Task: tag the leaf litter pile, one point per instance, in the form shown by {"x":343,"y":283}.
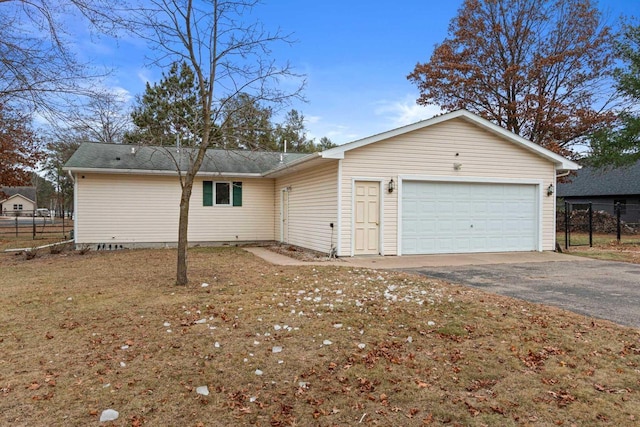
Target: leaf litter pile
{"x":248,"y":343}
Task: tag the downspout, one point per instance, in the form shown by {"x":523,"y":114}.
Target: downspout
{"x":555,"y":210}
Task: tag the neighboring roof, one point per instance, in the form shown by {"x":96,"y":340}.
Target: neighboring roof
{"x":15,"y":196}
{"x":26,"y":192}
{"x":120,"y":158}
{"x":594,"y":182}
{"x":560,"y":162}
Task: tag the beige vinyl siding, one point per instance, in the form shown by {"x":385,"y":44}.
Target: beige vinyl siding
{"x":144,"y":209}
{"x":312,"y":207}
{"x":253,"y":221}
{"x":432,"y":151}
{"x":27,"y":206}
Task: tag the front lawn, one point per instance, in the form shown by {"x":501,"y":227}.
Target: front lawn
{"x":279,"y":346}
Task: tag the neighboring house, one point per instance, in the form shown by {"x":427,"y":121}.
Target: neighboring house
{"x":452,"y":184}
{"x":19,"y":201}
{"x":604,"y":188}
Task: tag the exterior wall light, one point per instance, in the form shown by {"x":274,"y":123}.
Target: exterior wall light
{"x":457,"y":166}
{"x":392,"y":186}
{"x":550,"y":190}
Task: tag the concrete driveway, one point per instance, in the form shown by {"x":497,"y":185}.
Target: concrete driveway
{"x":602,"y":289}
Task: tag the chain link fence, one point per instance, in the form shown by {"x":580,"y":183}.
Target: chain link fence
{"x":590,"y":223}
{"x":37,"y":224}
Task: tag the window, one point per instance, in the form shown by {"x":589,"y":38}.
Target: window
{"x":623,"y":206}
{"x":17,"y":207}
{"x":221,"y":193}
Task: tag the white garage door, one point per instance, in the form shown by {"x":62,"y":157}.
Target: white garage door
{"x":450,"y":217}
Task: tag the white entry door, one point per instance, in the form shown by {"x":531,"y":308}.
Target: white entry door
{"x":367,"y":218}
{"x":459,"y":217}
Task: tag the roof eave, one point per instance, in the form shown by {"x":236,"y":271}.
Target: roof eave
{"x":560,"y":162}
{"x":286,"y":167}
{"x":16,"y":195}
{"x":157,"y":172}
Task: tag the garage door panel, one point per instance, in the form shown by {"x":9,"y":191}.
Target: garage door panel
{"x":440,"y":217}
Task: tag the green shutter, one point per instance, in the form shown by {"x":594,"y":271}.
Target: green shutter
{"x":237,"y":194}
{"x":207,"y":193}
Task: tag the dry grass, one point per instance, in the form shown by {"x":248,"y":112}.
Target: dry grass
{"x":110,"y":330}
{"x":606,"y":248}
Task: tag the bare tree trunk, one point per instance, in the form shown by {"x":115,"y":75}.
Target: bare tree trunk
{"x":181,"y":276}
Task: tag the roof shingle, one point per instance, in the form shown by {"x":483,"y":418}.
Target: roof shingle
{"x":593,"y":182}
{"x":167,"y":159}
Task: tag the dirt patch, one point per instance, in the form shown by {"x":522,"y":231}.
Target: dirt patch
{"x":299,"y":253}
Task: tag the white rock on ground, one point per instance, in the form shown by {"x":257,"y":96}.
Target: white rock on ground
{"x":276,"y":349}
{"x":109,"y":415}
{"x":203,"y":390}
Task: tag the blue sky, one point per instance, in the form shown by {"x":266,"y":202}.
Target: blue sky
{"x":355,"y":55}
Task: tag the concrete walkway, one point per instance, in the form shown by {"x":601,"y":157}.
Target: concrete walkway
{"x":279,"y":259}
{"x":420,"y":261}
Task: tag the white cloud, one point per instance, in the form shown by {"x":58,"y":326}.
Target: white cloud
{"x":338,"y":134}
{"x":312,"y":119}
{"x":143,"y":76}
{"x":405,"y":111}
{"x":121,"y":94}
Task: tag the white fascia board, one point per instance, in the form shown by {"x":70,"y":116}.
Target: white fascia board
{"x":294,"y":165}
{"x":157,"y":173}
{"x":560,"y":162}
{"x":15,"y":196}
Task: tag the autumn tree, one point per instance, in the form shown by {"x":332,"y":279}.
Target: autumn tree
{"x":20,"y":149}
{"x":228,"y":54}
{"x":619,"y":145}
{"x":537,"y":68}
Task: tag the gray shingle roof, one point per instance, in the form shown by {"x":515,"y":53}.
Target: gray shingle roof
{"x":28,"y":192}
{"x":602,"y":182}
{"x":163,"y":159}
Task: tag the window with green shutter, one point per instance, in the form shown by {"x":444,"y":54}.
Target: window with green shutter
{"x":221,"y":193}
{"x":207,"y":193}
{"x":237,"y":194}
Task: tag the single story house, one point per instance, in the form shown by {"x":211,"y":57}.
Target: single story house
{"x":455,"y":183}
{"x":19,"y":201}
{"x":604,"y":188}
